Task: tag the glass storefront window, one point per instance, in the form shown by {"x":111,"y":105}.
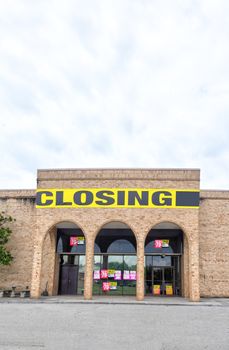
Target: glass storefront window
{"x":117,"y":273}
{"x":160,"y":260}
{"x":115,"y":262}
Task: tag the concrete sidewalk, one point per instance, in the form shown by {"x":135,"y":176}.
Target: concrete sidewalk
{"x":125,"y":300}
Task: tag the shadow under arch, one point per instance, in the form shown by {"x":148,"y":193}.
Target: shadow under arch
{"x":164,"y":224}
{"x":115,"y":259}
{"x":55,"y":224}
{"x":117,"y":221}
{"x":166,"y":259}
{"x":115,"y":230}
{"x":56,"y":243}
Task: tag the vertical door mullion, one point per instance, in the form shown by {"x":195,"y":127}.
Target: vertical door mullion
{"x":163,"y":281}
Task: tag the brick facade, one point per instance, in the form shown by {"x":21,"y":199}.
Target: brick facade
{"x":33,"y":242}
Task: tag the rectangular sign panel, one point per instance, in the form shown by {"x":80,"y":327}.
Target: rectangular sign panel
{"x":116,"y":198}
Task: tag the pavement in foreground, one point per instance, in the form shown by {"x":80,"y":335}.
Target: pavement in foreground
{"x":71,"y":323}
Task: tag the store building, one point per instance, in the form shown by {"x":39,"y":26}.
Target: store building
{"x":118,"y":232}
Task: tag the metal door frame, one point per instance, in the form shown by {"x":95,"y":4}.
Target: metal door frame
{"x":163,"y":283}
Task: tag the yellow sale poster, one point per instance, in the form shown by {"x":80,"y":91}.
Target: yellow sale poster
{"x":111,"y":273}
{"x":113,"y":285}
{"x":80,"y":240}
{"x":156,"y":289}
{"x":169,"y":290}
{"x":165,"y":243}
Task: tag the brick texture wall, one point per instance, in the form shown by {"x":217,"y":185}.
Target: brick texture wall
{"x":19,"y":204}
{"x":34,"y":230}
{"x":214,"y":244}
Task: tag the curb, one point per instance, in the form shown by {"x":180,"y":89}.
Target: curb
{"x":112,"y":302}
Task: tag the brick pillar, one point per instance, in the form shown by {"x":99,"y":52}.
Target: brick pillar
{"x":140,"y":270}
{"x":36,"y":268}
{"x":52,"y":267}
{"x":88,"y":278}
{"x":185,"y":269}
{"x":194,"y":281}
{"x":56,"y":276}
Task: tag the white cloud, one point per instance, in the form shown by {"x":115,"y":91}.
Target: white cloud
{"x":114,"y":84}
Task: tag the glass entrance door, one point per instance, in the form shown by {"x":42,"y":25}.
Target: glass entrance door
{"x":163,"y":281}
{"x":162,"y":275}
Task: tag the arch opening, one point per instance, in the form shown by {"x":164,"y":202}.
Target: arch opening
{"x":63,"y":261}
{"x":115,"y":260}
{"x":164,"y":263}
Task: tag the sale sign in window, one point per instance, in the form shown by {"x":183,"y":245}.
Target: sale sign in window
{"x":73,"y":241}
{"x":104,"y":274}
{"x":133,"y":275}
{"x":113,"y":285}
{"x":81,"y":240}
{"x":158,"y":243}
{"x":169,"y":289}
{"x":126,"y":275}
{"x":111,"y":273}
{"x":97,"y":275}
{"x":118,"y":275}
{"x":156,"y":289}
{"x":106,"y":286}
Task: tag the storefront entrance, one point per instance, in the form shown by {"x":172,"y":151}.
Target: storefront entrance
{"x":163,"y":280}
{"x":162,"y":275}
{"x":116,"y":272}
{"x":71,"y":249}
{"x":163,"y":252}
{"x":71,"y":277}
{"x":68,"y":279}
{"x":115,"y":261}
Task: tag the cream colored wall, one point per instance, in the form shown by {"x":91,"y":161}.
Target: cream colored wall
{"x":20,"y":205}
{"x":214,"y":243}
{"x":33,"y":247}
{"x":90,"y":220}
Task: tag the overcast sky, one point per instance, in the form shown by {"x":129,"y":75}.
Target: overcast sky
{"x":101,"y":83}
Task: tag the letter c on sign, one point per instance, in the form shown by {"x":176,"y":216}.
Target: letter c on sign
{"x":41,"y":198}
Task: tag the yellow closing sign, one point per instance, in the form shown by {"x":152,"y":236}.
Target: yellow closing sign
{"x":116,"y":198}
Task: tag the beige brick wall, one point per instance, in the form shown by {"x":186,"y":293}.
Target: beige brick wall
{"x":91,"y":220}
{"x":19,"y":204}
{"x":31,"y":230}
{"x":214,"y":243}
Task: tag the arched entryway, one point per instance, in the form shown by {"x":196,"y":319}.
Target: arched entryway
{"x":164,"y":248}
{"x":115,"y":260}
{"x":63,"y":260}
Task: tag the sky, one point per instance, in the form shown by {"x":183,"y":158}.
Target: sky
{"x":114,"y":84}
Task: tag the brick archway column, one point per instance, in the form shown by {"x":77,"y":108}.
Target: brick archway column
{"x":88,"y":278}
{"x":194,"y":280}
{"x":53,"y":278}
{"x":36,"y":268}
{"x":140,"y":270}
